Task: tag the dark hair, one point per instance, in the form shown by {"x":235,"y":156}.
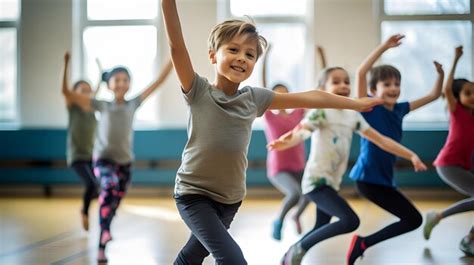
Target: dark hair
{"x":106,"y":75}
{"x":78,"y":83}
{"x":324,"y":75}
{"x":457,"y":86}
{"x":277,"y":85}
{"x":382,"y":73}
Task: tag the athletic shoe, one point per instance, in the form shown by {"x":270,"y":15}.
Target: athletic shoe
{"x":277,"y":226}
{"x":467,"y":246}
{"x":356,"y":249}
{"x":294,"y":255}
{"x":431,"y":221}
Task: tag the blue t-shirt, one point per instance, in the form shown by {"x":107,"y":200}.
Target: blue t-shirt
{"x":374,"y":165}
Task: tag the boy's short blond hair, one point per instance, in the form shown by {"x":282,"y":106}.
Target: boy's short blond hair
{"x":225,"y":31}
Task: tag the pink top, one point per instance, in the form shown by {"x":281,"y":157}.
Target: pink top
{"x":459,"y":147}
{"x":293,"y":159}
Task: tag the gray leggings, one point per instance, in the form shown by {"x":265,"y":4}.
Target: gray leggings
{"x":289,"y":183}
{"x":461,"y":180}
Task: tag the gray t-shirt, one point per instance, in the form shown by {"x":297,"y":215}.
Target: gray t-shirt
{"x":80,"y":138}
{"x":114,"y":135}
{"x":214,"y":159}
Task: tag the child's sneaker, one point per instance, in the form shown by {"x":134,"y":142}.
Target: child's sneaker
{"x":356,"y":249}
{"x":277,"y":226}
{"x":294,"y":255}
{"x":298,"y":227}
{"x":431,"y":220}
{"x":467,"y":246}
{"x":85,"y":221}
{"x":101,"y":258}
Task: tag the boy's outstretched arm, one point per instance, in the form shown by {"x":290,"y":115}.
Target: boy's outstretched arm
{"x":317,"y":99}
{"x":179,"y":53}
{"x":389,"y":145}
{"x":65,"y":85}
{"x":448,"y":87}
{"x":163,"y":75}
{"x":364,"y":68}
{"x":435,"y":92}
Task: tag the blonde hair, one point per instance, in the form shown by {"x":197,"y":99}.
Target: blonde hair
{"x":225,"y":31}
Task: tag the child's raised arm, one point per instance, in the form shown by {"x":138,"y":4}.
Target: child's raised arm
{"x":291,"y":138}
{"x":364,"y":68}
{"x":435,"y":92}
{"x":265,"y":66}
{"x":322,"y":56}
{"x":317,"y":99}
{"x":389,"y":145}
{"x":163,"y":75}
{"x":179,"y":53}
{"x":448,"y":87}
{"x":99,"y":82}
{"x":83,"y":101}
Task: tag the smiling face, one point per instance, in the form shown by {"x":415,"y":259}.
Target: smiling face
{"x":338,"y":83}
{"x":388,"y":90}
{"x":235,"y":60}
{"x":119,"y":83}
{"x":466,"y":95}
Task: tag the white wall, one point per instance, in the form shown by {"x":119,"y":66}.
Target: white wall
{"x":344,"y":27}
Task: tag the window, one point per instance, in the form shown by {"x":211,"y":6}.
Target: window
{"x":9,"y":17}
{"x":284,"y":25}
{"x":125,"y":33}
{"x":433,"y":28}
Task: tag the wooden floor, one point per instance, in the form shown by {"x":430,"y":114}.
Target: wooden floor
{"x":150,"y":231}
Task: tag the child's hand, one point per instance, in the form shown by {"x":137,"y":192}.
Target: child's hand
{"x":366,"y":104}
{"x":417,"y":164}
{"x":276,"y":145}
{"x":393,"y":41}
{"x":439,"y":67}
{"x":67,"y":56}
{"x":458,"y":52}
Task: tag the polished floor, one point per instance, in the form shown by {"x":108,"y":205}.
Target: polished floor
{"x":149,"y":231}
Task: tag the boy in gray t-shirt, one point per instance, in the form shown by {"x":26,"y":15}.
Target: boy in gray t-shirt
{"x":210,"y":184}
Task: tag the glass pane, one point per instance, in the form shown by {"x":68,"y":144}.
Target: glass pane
{"x":121,"y":9}
{"x":268,"y":7}
{"x":9,"y":10}
{"x":426,"y":7}
{"x":427,"y":41}
{"x":8,"y":77}
{"x":132,"y":46}
{"x":282,"y":68}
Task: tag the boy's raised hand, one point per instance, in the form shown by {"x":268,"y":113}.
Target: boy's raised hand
{"x":393,"y":41}
{"x":439,"y":67}
{"x":67,"y":57}
{"x":458,"y":52}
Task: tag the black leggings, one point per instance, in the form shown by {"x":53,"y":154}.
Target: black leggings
{"x":208,"y":221}
{"x":394,"y":202}
{"x":329,"y":204}
{"x":84,"y":170}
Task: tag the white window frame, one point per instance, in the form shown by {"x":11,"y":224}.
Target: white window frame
{"x":15,"y":24}
{"x":224,"y":12}
{"x":80,"y":18}
{"x":381,"y":16}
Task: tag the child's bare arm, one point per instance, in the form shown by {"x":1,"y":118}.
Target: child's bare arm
{"x":291,"y":138}
{"x":179,"y":53}
{"x":163,"y":75}
{"x":435,"y":92}
{"x":448,"y":92}
{"x":99,"y":81}
{"x":317,"y":99}
{"x":322,"y":56}
{"x":83,"y":101}
{"x":65,"y":85}
{"x":389,"y":145}
{"x":364,"y":68}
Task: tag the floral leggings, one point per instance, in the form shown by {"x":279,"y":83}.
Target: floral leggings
{"x":114,"y":180}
